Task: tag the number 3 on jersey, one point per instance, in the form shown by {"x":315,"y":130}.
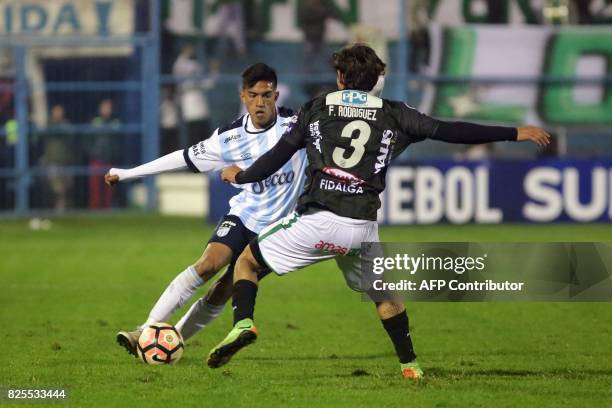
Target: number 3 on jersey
{"x":357,"y":144}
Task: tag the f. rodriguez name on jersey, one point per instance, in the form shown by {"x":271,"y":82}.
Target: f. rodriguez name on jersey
{"x":351,"y":112}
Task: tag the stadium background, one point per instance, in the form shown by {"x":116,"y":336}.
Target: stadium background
{"x":63,"y":63}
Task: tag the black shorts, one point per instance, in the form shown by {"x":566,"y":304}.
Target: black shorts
{"x":231,"y":231}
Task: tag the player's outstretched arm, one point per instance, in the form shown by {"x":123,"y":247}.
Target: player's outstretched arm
{"x":472,"y":133}
{"x":169,"y":162}
{"x":420,"y":126}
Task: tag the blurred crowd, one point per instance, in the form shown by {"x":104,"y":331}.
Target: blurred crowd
{"x":61,"y":146}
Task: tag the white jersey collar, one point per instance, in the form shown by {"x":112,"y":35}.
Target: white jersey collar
{"x":250,"y":128}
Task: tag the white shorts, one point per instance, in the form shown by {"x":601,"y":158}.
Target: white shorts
{"x":297,"y":241}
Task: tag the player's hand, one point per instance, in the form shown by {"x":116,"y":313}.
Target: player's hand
{"x":111,"y":180}
{"x":534,"y":134}
{"x":229,"y":173}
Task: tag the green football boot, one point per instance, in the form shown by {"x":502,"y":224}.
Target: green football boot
{"x":243,"y":334}
{"x":412,"y":370}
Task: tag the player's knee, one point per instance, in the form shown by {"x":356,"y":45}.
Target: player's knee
{"x":207,"y":266}
{"x":246,"y":265}
{"x":389,"y":309}
{"x":246,"y":259}
{"x":214,"y":258}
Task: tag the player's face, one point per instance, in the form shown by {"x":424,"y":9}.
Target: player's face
{"x":260,"y":102}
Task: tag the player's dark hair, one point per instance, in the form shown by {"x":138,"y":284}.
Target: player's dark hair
{"x":360,"y":67}
{"x":258,"y":72}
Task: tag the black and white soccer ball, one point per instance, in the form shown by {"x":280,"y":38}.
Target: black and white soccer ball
{"x":160,"y":343}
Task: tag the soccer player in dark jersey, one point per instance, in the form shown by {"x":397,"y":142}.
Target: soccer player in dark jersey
{"x":350,"y":138}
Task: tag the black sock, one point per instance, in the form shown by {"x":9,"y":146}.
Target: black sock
{"x":243,"y":299}
{"x":397,"y":328}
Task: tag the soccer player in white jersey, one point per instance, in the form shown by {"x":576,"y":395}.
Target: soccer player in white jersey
{"x":258,"y":205}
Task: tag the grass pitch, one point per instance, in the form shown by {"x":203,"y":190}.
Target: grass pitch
{"x":67,"y":291}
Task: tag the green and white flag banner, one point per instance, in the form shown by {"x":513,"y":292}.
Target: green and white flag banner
{"x":510,"y":61}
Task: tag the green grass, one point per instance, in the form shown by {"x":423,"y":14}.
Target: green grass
{"x":65,"y":293}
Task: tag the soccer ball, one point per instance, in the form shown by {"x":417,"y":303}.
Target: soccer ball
{"x":160,"y":343}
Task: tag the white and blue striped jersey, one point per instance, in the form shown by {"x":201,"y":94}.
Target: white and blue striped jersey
{"x":262,"y":203}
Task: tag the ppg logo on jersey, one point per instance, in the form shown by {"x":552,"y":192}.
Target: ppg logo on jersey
{"x":354,"y":97}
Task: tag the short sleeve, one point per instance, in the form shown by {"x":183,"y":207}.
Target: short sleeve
{"x":205,"y":156}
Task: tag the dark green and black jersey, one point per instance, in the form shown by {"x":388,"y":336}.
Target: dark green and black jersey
{"x":350,"y":138}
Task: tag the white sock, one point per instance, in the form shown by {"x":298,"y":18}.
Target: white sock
{"x":176,"y":295}
{"x":199,"y":316}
